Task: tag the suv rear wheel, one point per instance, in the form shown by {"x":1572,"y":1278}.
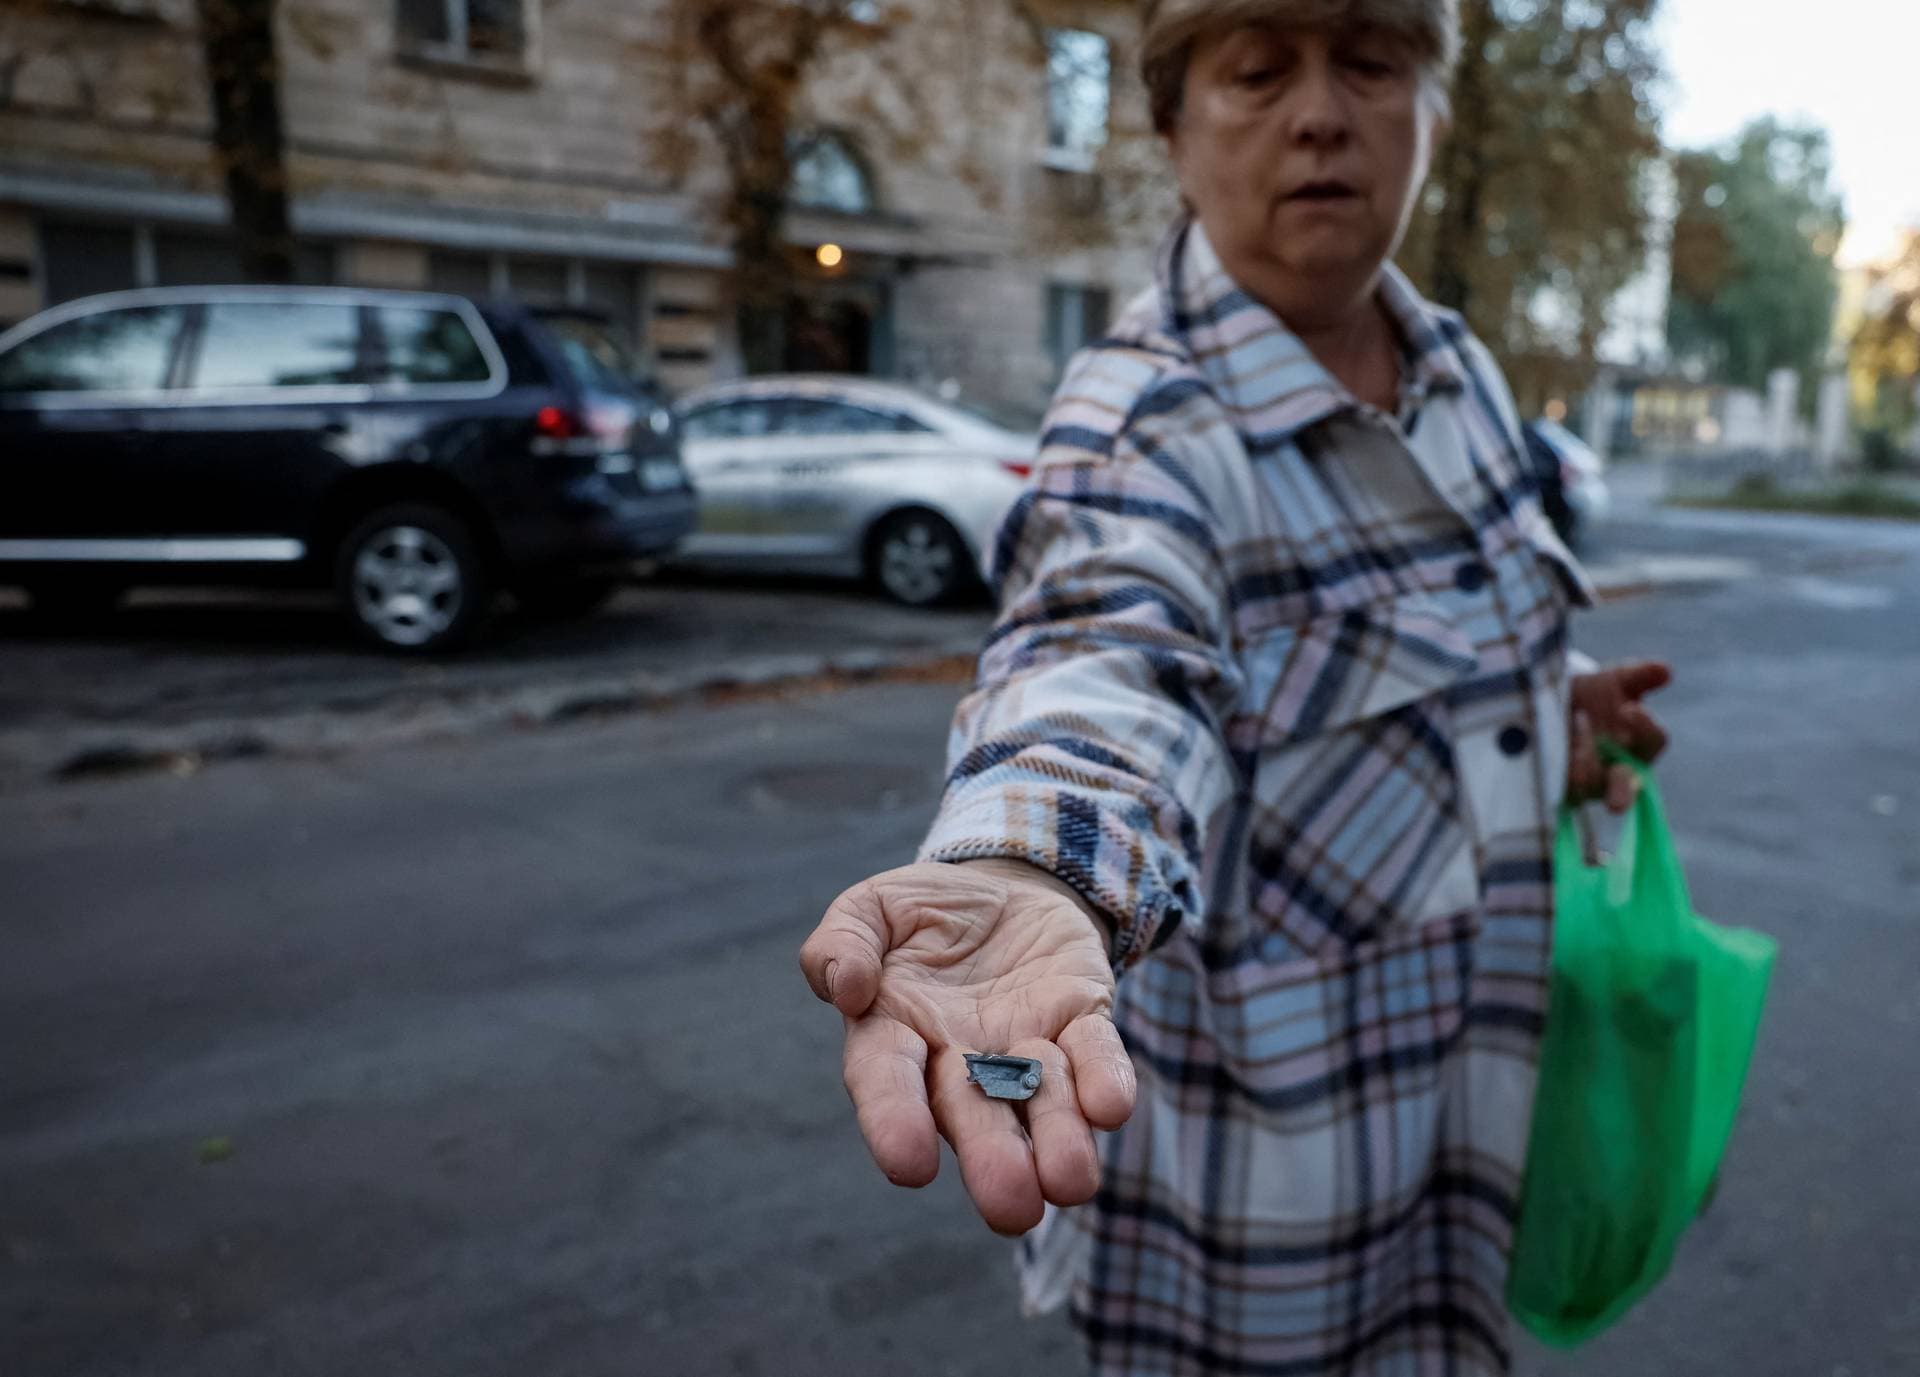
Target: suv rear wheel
{"x":412,"y":579}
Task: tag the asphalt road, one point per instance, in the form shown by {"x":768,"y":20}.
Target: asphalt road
{"x":490,"y":1056}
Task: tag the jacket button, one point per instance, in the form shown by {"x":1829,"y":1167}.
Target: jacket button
{"x":1515,"y":740}
{"x":1470,"y":577}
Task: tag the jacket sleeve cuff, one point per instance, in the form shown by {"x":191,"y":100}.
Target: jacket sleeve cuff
{"x":1140,"y":907}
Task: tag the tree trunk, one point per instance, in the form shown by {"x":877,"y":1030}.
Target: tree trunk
{"x":1464,"y":167}
{"x":762,"y":279}
{"x":243,"y":79}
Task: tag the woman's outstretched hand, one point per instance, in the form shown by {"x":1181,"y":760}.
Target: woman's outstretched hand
{"x":932,"y":961}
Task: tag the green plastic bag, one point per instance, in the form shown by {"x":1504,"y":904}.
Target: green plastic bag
{"x":1652,"y":1021}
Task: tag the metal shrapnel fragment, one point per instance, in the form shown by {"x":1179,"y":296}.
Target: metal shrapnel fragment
{"x":1004,"y":1078}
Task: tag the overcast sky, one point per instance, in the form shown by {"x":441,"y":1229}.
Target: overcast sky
{"x":1853,"y":66}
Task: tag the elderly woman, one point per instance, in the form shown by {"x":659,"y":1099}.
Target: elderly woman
{"x":1254,"y":799}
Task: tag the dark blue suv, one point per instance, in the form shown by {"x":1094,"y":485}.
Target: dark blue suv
{"x":415,"y":451}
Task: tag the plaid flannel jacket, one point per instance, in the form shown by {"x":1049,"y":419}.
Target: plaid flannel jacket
{"x":1280,"y":684}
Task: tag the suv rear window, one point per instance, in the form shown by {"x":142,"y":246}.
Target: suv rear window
{"x":596,"y":353}
{"x":278,"y":344}
{"x":424,"y":345}
{"x":107,"y":351}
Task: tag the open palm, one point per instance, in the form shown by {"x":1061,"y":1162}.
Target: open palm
{"x":933,"y":961}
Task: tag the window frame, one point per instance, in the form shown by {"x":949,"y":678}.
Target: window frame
{"x":455,"y":53}
{"x":839,"y":144}
{"x":1055,"y":153}
{"x":1058,"y":347}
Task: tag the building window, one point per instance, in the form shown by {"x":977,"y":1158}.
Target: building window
{"x":616,"y":290}
{"x":541,"y":281}
{"x":121,"y":9}
{"x":1076,"y":317}
{"x":494,"y":32}
{"x":1079,"y":86}
{"x":79,"y":259}
{"x":464,"y":274}
{"x":188,"y":259}
{"x":828,"y":175}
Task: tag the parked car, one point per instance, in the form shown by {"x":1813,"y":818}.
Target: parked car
{"x":851,"y":477}
{"x":1573,"y":479}
{"x":415,"y":451}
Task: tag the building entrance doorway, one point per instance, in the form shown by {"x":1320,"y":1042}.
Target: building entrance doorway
{"x":840,"y":327}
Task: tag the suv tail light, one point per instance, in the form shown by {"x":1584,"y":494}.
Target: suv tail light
{"x":557,"y":423}
{"x":563,"y":430}
{"x":1019,"y":468}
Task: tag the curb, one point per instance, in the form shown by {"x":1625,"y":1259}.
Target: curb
{"x":1637,"y":577}
{"x":93,"y":753}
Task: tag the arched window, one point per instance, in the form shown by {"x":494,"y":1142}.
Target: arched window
{"x":829,"y":175}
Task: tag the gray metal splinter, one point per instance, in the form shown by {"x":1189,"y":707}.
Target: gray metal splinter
{"x":1002,"y":1077}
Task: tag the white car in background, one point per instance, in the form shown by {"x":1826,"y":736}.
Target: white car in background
{"x":848,"y":476}
{"x":1573,"y":480}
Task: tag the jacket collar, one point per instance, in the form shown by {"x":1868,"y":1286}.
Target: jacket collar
{"x":1259,"y":368}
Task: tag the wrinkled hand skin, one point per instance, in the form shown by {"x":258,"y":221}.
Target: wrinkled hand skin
{"x":932,"y":961}
{"x":1608,"y":706}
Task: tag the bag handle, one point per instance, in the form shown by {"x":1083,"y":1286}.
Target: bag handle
{"x":1644,"y":856}
{"x":1645,"y":859}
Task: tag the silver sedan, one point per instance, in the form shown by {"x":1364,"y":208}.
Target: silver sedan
{"x":848,"y":476}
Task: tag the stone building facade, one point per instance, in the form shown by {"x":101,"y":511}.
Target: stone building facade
{"x":955,"y":231}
